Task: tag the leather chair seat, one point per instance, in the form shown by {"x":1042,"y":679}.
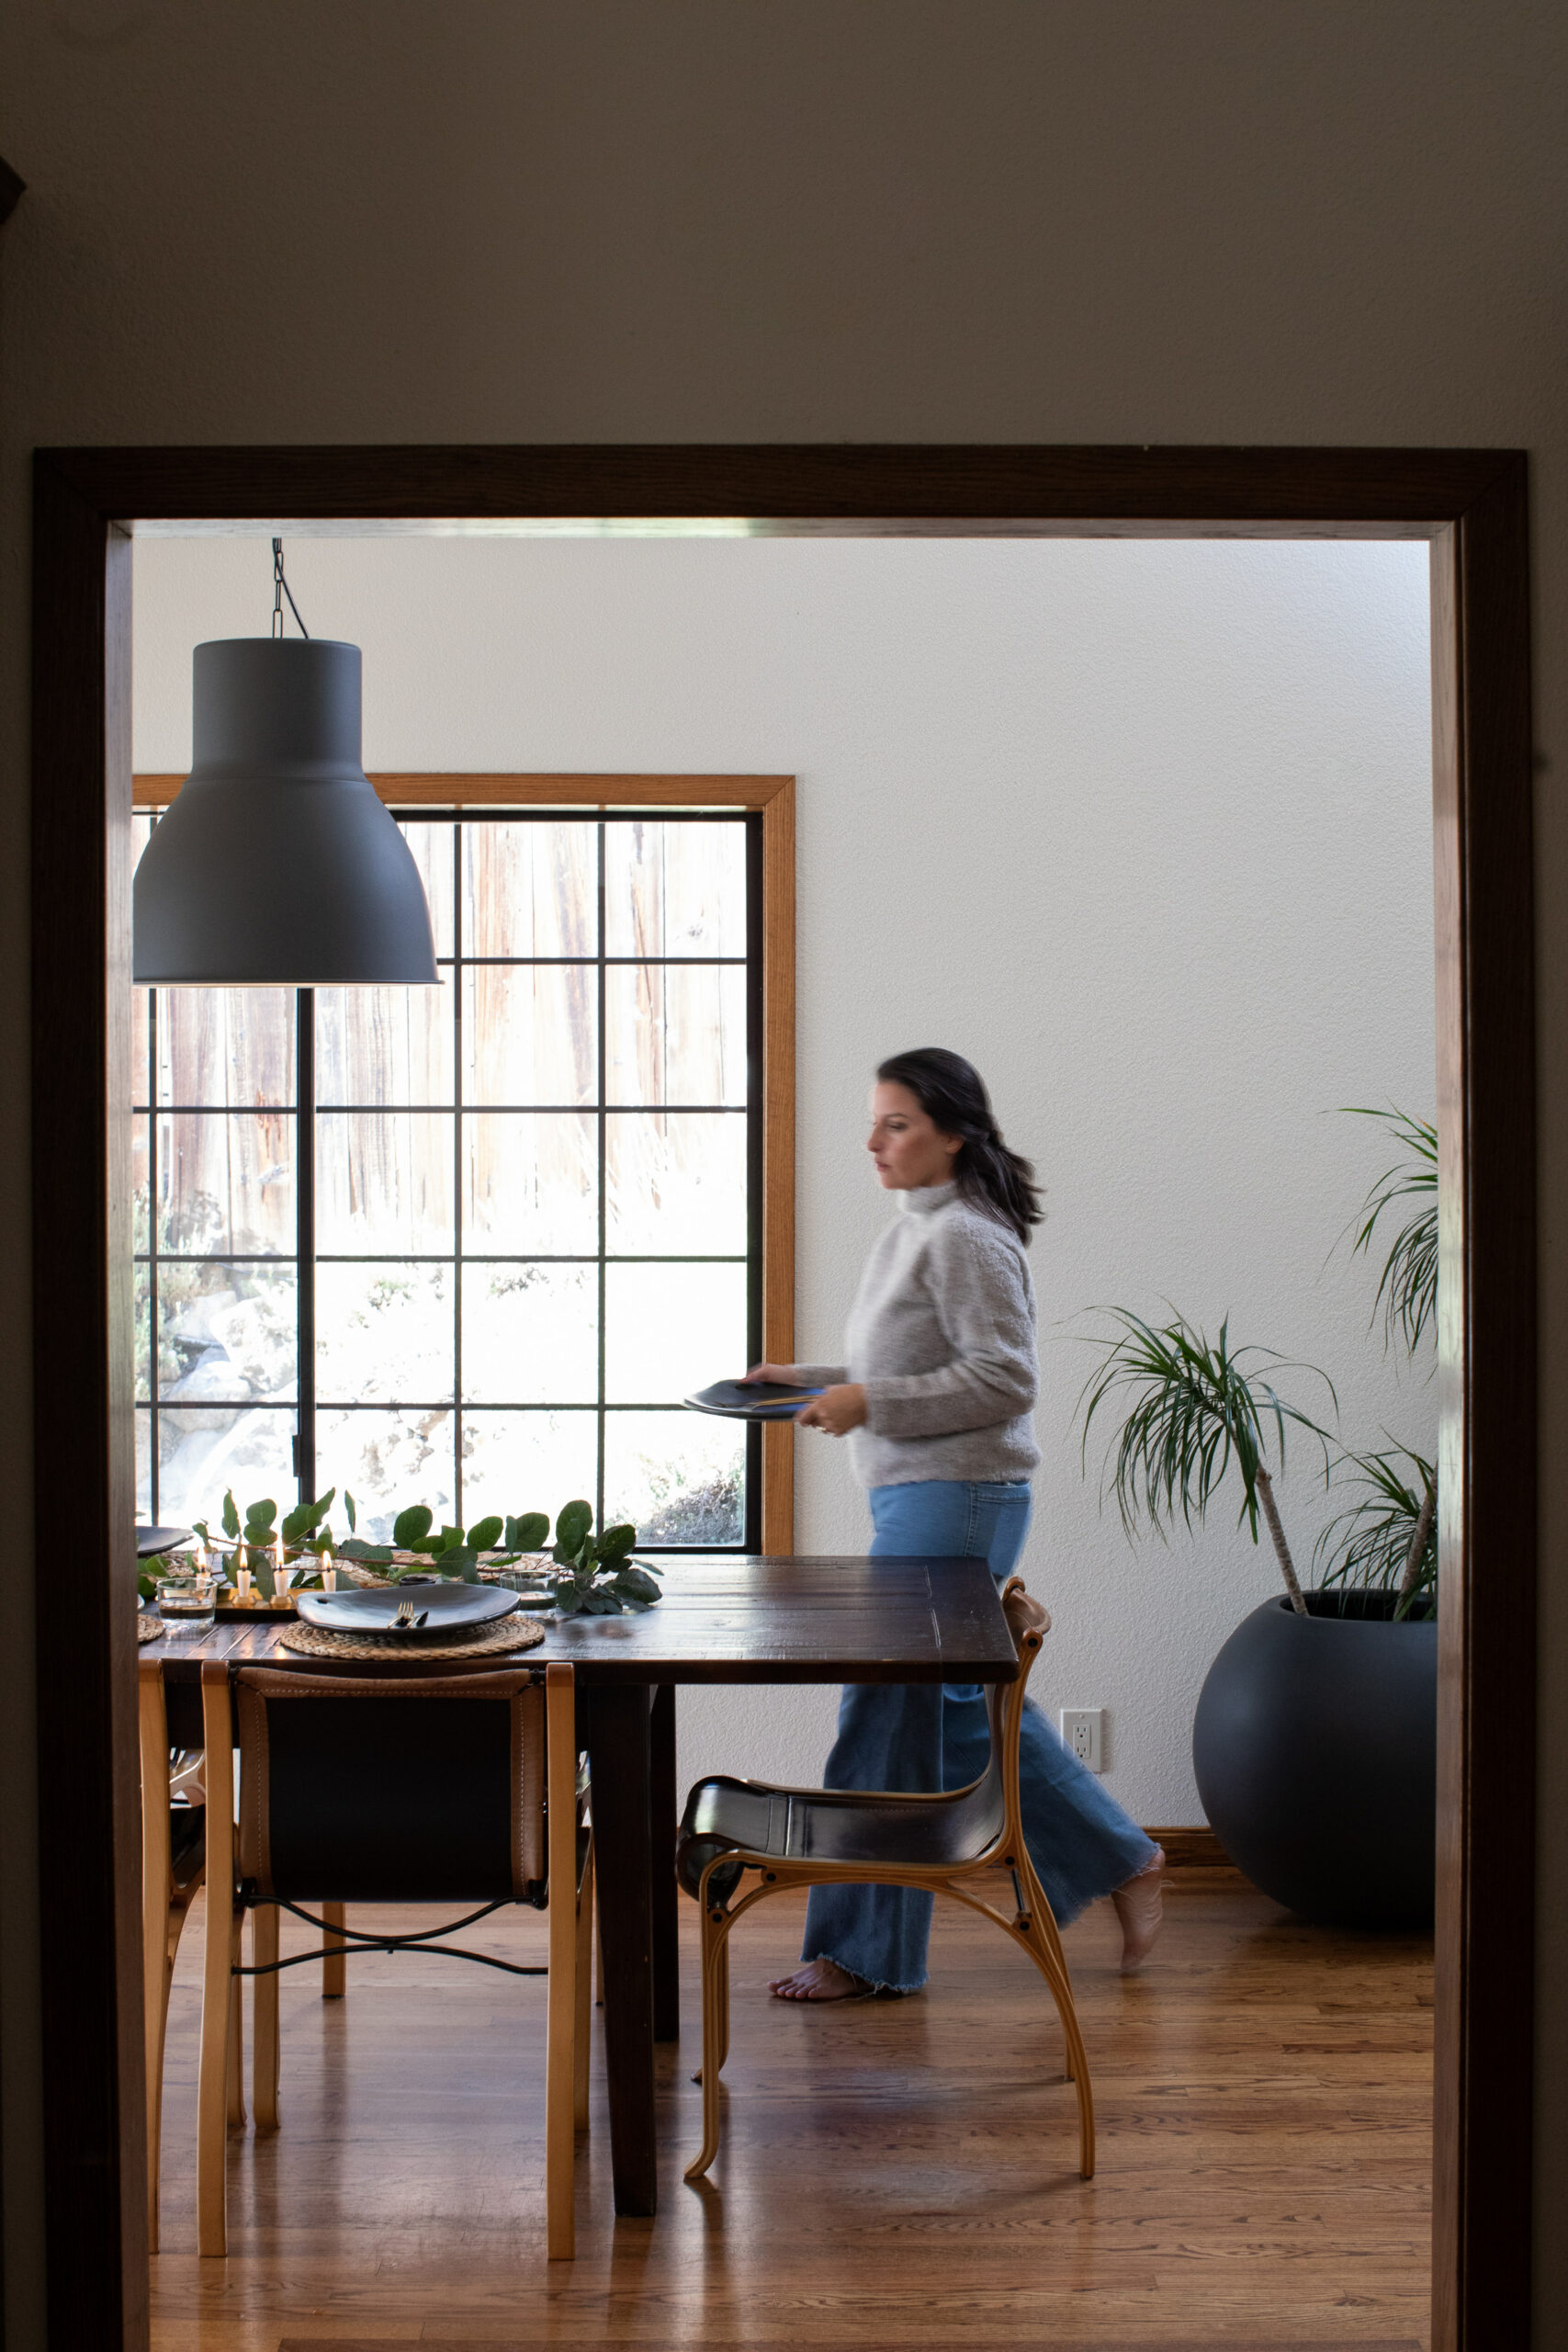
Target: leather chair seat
{"x":726,"y":1815}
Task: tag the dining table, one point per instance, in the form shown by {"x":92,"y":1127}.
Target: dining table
{"x":724,"y":1618}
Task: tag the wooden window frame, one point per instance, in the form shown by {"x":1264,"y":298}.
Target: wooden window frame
{"x":773,"y":799}
{"x":1472,"y":505}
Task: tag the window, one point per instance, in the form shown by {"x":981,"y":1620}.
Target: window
{"x":470,"y":1246}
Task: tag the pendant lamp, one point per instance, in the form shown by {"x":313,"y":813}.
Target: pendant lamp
{"x":277,"y":865}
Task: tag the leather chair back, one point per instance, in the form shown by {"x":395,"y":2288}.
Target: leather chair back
{"x":358,"y":1789}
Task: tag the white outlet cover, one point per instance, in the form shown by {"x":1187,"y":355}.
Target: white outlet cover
{"x":1083,"y":1736}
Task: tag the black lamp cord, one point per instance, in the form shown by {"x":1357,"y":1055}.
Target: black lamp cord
{"x":280,"y":589}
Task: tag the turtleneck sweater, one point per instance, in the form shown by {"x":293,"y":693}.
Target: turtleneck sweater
{"x":941,"y":1336}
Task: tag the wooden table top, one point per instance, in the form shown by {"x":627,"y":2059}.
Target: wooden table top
{"x":726,"y":1618}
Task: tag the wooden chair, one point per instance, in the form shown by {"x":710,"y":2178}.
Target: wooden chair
{"x":822,"y":1837}
{"x":173,"y":1866}
{"x":174,"y":1826}
{"x":433,"y":1789}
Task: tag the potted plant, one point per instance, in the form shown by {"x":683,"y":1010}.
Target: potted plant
{"x":1314,"y":1742}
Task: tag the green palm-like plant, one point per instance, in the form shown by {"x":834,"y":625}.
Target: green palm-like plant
{"x":1387,"y":1540}
{"x":1408,"y":1290}
{"x":1190,"y":1408}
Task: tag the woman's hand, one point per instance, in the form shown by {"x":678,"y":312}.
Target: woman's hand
{"x":780,"y":1373}
{"x":838,"y":1410}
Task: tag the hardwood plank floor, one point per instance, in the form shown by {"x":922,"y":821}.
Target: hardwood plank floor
{"x":894,"y":2174}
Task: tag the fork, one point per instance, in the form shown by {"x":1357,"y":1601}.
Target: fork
{"x":406,"y":1620}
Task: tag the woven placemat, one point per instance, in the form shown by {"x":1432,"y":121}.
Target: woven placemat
{"x":149,"y":1629}
{"x":508,"y":1633}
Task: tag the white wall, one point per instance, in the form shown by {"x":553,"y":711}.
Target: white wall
{"x":1144,"y":828}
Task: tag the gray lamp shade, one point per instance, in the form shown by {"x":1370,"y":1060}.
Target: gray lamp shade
{"x":277,"y":864}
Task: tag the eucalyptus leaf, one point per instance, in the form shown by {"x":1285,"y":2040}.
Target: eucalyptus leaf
{"x":305,"y":1518}
{"x":353,"y":1514}
{"x":410,"y":1525}
{"x":460,"y":1560}
{"x":528,"y":1532}
{"x":485,"y":1533}
{"x":574,"y":1522}
{"x":261,"y":1515}
{"x":231,"y":1515}
{"x":616,"y":1542}
{"x":637,"y":1581}
{"x":598,"y":1600}
{"x":449,"y":1538}
{"x":353,"y":1547}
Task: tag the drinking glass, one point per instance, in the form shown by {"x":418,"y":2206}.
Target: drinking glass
{"x":188,"y":1604}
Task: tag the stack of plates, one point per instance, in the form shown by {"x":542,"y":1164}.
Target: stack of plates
{"x":752,"y":1400}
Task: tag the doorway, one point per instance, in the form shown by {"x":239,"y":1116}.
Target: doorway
{"x":1470,"y":507}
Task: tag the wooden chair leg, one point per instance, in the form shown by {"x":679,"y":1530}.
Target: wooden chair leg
{"x":584,"y":1966}
{"x":334,"y":1968}
{"x":266,"y":2056}
{"x":1045,"y":1946}
{"x":721,"y":1995}
{"x":212,"y":2103}
{"x":716,"y":1954}
{"x":561,"y":1743}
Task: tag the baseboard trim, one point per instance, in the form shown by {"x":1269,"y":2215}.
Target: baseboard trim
{"x":1192,"y":1850}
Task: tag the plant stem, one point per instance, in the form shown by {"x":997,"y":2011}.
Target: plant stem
{"x":1412,"y":1559}
{"x":1282,"y":1549}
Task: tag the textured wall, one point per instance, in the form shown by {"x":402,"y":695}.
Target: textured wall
{"x":1144,"y":829}
{"x":683,"y":219}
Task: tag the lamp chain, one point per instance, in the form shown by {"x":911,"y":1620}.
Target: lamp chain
{"x":280,"y":589}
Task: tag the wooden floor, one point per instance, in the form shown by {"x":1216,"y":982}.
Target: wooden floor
{"x":893,"y":2174}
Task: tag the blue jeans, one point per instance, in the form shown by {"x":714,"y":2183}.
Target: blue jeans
{"x":924,"y":1737}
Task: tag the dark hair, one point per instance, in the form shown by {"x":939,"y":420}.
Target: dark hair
{"x":952,"y":1095}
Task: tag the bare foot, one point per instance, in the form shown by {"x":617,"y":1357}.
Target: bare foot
{"x":819,"y":1980}
{"x":1139,"y":1903}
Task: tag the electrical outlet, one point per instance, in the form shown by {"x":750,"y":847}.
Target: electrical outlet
{"x":1083,"y":1736}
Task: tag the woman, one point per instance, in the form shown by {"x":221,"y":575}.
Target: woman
{"x":938,"y":1390}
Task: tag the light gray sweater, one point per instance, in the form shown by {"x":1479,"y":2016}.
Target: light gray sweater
{"x":941,"y":1337}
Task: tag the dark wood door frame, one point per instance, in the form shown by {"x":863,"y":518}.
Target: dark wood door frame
{"x":1472,"y":505}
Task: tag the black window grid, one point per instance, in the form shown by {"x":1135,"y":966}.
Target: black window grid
{"x":306,"y":1107}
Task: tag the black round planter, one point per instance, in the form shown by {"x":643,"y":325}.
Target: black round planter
{"x":1314,"y":1748}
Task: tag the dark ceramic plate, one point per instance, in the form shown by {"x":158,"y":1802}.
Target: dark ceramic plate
{"x":448,"y":1607}
{"x":151,"y":1540}
{"x":751,"y":1400}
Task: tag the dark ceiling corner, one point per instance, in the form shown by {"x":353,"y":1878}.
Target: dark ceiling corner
{"x":11,"y":187}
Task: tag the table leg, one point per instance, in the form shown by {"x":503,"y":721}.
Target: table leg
{"x":616,"y":1733}
{"x":666,"y":1894}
